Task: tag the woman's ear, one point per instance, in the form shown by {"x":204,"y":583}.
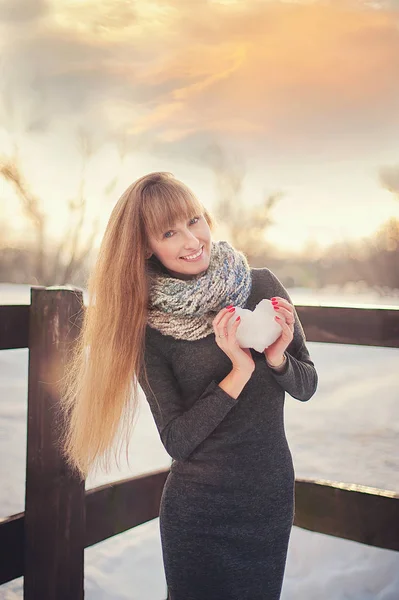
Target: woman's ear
{"x":148,"y":254}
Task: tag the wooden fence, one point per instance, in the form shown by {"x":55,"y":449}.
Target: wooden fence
{"x":46,"y":543}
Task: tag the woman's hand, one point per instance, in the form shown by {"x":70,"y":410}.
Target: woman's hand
{"x":286,"y":318}
{"x":225,"y":326}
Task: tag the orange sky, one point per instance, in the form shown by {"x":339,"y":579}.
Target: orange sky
{"x":305,"y":94}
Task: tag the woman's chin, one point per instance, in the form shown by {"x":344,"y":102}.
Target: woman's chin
{"x":192,"y":269}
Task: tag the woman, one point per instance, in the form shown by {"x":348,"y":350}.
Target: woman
{"x":163,"y":315}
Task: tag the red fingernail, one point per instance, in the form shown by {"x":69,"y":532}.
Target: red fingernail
{"x":231,"y":309}
{"x":276,"y":307}
{"x":238,"y":318}
{"x":229,"y":306}
{"x":272,"y":298}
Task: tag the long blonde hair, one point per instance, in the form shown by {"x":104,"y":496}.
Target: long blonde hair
{"x":100,"y":381}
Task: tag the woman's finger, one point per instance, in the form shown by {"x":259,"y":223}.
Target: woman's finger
{"x":281,"y":302}
{"x":226,"y":319}
{"x":235,"y":324}
{"x":288,"y":329}
{"x":219,"y":317}
{"x":287,"y":314}
{"x":222,"y":327}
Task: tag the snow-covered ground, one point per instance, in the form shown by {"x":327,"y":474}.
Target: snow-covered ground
{"x":349,"y":432}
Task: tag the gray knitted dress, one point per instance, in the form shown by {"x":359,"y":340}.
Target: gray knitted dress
{"x":228,"y":502}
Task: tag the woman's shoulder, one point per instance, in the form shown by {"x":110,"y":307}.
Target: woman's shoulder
{"x":263,"y":276}
{"x":260,"y":271}
{"x":265,"y":284}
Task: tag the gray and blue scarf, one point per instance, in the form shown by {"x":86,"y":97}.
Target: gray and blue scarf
{"x":185,"y":308}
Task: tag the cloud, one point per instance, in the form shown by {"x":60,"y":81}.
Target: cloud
{"x":17,"y":11}
{"x":268,"y":74}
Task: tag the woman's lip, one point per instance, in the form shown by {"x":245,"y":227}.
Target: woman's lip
{"x":202,"y":248}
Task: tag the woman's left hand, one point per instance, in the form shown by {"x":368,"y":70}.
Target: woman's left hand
{"x":286,"y":318}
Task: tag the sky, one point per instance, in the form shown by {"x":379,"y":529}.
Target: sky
{"x":301,"y":97}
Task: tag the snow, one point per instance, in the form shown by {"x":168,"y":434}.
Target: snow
{"x":348,"y":432}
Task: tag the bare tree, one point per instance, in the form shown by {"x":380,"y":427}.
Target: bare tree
{"x":246,"y":224}
{"x":60,"y":265}
{"x":31,"y":208}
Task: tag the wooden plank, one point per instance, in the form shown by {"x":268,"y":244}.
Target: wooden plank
{"x":54,"y":506}
{"x":353,"y":512}
{"x":119,"y":506}
{"x":11,"y":547}
{"x":110,"y":509}
{"x":363,"y":326}
{"x":14,"y":326}
{"x":360,"y":326}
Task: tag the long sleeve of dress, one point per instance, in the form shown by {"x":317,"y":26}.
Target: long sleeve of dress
{"x":180,"y":430}
{"x":299,"y":376}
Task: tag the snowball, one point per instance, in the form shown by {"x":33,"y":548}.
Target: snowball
{"x":257,"y":329}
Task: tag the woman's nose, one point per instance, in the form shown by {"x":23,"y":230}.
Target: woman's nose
{"x":191,"y":238}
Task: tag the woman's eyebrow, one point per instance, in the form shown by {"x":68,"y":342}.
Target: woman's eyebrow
{"x":176,"y":224}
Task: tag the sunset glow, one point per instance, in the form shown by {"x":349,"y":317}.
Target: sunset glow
{"x":304,"y":94}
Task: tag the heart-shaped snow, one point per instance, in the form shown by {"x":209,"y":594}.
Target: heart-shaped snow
{"x":257,"y":329}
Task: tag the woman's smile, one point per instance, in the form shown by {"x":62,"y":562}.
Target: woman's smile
{"x":194,"y":257}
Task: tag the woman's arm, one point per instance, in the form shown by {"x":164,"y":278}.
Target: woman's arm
{"x":180,"y":430}
{"x":298,"y":376}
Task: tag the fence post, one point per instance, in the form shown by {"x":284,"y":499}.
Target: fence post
{"x":54,"y":500}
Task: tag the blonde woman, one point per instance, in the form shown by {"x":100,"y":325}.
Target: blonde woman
{"x":161,"y":313}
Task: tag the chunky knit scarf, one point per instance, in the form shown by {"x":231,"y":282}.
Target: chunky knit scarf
{"x":185,"y":308}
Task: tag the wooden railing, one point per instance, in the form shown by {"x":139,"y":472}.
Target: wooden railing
{"x":46,"y":543}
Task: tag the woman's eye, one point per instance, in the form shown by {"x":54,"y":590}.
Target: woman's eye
{"x":196,"y":219}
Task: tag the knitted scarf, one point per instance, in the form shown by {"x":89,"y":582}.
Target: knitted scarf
{"x":185,"y":308}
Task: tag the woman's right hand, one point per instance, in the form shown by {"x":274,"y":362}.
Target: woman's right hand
{"x":240,"y":357}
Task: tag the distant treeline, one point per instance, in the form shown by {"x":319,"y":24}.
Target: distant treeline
{"x":20,"y":265}
{"x":373,"y":261}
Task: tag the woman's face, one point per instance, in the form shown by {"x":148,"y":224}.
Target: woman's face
{"x":186,"y":238}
